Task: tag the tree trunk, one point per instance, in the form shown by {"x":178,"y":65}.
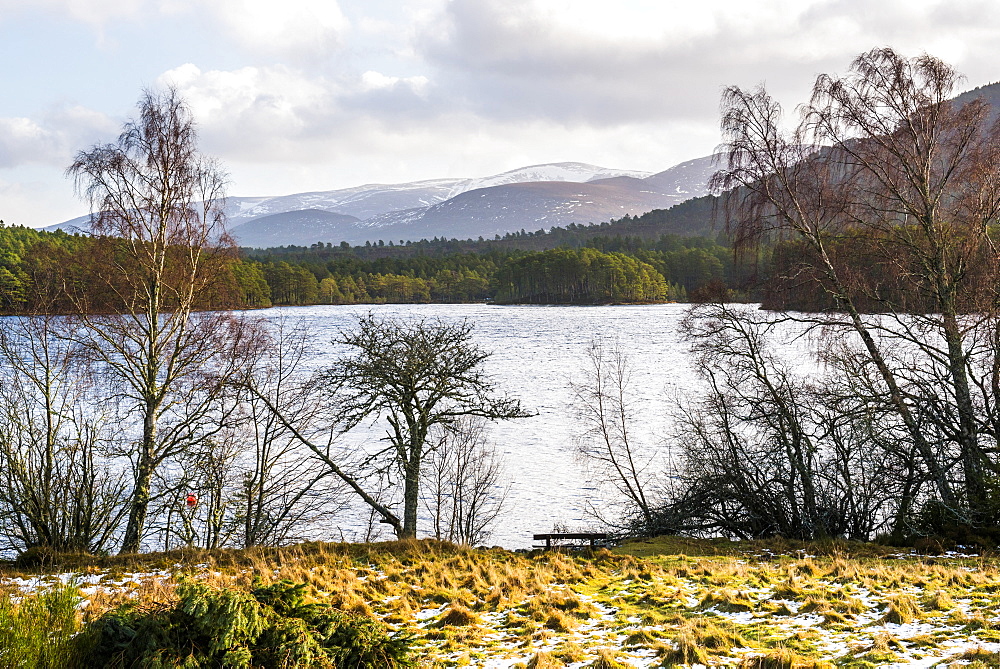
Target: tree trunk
{"x":411,"y":494}
{"x":138,"y":506}
{"x":140,"y":495}
{"x":968,"y":435}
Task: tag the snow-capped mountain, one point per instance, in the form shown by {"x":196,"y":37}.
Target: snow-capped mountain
{"x":571,"y":172}
{"x":360,"y":202}
{"x":533,"y":197}
{"x":373,"y":200}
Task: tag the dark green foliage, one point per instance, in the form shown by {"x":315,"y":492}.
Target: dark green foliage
{"x":269,"y":627}
{"x":935,"y":524}
{"x":580,"y":276}
{"x":596,"y":268}
{"x":37,"y":268}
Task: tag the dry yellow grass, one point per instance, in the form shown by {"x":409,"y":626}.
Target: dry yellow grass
{"x":552,"y":609}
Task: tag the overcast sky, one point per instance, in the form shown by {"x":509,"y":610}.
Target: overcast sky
{"x":298,"y":95}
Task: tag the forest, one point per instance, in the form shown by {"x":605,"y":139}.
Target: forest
{"x":603,"y":270}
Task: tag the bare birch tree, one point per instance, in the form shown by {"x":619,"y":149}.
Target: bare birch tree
{"x":884,"y":154}
{"x":605,"y":406}
{"x":157,"y":210}
{"x":464,"y":488}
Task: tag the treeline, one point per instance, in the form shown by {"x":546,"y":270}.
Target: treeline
{"x":587,"y":275}
{"x":691,"y":219}
{"x":609,"y":269}
{"x":58,"y":272}
{"x":37,"y":267}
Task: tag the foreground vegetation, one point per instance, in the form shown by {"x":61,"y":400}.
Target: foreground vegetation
{"x":717,"y":603}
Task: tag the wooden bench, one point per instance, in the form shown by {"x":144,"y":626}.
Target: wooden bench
{"x":555,"y":539}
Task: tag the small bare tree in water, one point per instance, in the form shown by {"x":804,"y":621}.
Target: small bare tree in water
{"x":464,"y":489}
{"x":605,"y":405}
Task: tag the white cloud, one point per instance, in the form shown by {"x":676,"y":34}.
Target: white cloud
{"x":290,"y":28}
{"x":24,"y":141}
{"x":37,"y":196}
{"x":53,"y":139}
{"x":376,"y":81}
{"x":256,"y":112}
{"x":281,"y":113}
{"x":294,"y":29}
{"x":598,"y":62}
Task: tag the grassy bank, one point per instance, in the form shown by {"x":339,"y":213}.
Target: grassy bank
{"x":656,"y":603}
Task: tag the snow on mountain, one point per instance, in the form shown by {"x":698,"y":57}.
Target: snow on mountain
{"x":361,"y":201}
{"x":533,"y":197}
{"x":572,"y":172}
{"x":689,"y":178}
{"x":374,"y":200}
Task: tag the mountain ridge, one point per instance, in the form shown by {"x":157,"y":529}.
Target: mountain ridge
{"x":544,"y":195}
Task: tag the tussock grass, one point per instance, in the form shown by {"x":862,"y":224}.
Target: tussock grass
{"x":466,"y":606}
{"x":560,"y":622}
{"x":458,"y":616}
{"x":782,"y":658}
{"x":979,"y":658}
{"x":902,"y":609}
{"x":642,"y":638}
{"x":728,"y":600}
{"x":938,"y":601}
{"x":686,"y":650}
{"x":569,"y":652}
{"x":608,"y":659}
{"x":543,"y":660}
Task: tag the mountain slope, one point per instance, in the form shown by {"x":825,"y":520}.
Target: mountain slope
{"x":308,"y":226}
{"x":532,"y":197}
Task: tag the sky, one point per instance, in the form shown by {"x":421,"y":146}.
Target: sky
{"x":304,"y":95}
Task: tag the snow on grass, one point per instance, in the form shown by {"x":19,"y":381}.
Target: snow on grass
{"x":499,"y":609}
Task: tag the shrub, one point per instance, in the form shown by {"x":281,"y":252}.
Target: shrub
{"x":36,"y":631}
{"x":268,"y":627}
{"x":36,"y":556}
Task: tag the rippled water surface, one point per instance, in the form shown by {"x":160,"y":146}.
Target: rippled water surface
{"x":536,"y":352}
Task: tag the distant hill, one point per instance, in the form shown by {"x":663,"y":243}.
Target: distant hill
{"x":530,"y":198}
{"x":276,"y":229}
{"x":990,"y":93}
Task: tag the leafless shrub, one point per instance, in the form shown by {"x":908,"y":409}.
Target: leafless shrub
{"x":604,"y":404}
{"x":59,"y":488}
{"x":464,"y":489}
{"x":255,"y":485}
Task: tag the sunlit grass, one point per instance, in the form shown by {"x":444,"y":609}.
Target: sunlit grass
{"x":749,"y":604}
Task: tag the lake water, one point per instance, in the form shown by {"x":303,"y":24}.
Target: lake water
{"x":536,"y":352}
